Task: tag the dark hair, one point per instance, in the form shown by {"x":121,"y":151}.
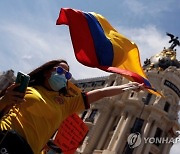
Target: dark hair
{"x":37,"y":75}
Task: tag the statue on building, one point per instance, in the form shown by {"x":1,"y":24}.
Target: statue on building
{"x":174,"y":40}
{"x":165,"y":58}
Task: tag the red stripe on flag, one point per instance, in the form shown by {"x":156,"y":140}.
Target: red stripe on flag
{"x":134,"y":76}
{"x":80,"y":35}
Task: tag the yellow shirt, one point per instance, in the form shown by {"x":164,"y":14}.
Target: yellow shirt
{"x":40,"y":116}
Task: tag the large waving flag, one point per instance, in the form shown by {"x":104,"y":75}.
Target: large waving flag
{"x":97,"y":44}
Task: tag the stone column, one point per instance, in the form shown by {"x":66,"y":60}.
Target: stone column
{"x":96,"y":131}
{"x":166,"y":145}
{"x":152,"y":133}
{"x":144,"y":135}
{"x":106,"y":130}
{"x":166,"y":148}
{"x":169,"y":147}
{"x":117,"y":131}
{"x":120,"y":139}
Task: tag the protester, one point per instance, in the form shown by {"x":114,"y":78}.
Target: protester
{"x":29,"y":120}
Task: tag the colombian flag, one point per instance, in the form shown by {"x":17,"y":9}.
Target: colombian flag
{"x":97,"y":44}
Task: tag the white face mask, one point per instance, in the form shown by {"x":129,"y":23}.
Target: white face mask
{"x":57,"y":81}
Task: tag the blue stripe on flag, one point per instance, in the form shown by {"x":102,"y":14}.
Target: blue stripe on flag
{"x":103,"y":46}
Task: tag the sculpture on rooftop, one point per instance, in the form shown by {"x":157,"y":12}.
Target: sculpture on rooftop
{"x":174,"y":40}
{"x":165,"y":58}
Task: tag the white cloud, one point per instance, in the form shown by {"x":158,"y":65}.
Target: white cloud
{"x":153,"y":8}
{"x":32,"y":48}
{"x":135,"y":6}
{"x":149,"y":40}
{"x":33,"y":44}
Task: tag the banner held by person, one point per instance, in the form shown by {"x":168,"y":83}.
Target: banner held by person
{"x":71,"y":134}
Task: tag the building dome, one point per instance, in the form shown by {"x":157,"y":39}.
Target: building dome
{"x":165,"y":58}
{"x":162,"y":60}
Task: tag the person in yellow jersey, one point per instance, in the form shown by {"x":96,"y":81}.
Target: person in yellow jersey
{"x":29,"y":120}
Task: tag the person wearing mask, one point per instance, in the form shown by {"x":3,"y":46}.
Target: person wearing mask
{"x":30,"y":119}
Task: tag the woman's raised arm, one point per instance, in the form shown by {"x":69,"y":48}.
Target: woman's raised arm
{"x":98,"y":94}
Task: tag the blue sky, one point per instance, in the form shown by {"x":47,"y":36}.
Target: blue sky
{"x":29,"y":36}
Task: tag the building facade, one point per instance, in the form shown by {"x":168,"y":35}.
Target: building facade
{"x":6,"y":78}
{"x":135,"y":122}
{"x":132,"y":122}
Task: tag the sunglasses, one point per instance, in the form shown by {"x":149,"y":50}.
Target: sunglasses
{"x":61,"y":71}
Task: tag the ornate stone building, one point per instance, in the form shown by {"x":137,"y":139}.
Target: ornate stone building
{"x":6,"y":78}
{"x":148,"y":117}
{"x":128,"y":123}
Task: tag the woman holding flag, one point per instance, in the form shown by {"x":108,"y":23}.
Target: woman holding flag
{"x":30,"y":121}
